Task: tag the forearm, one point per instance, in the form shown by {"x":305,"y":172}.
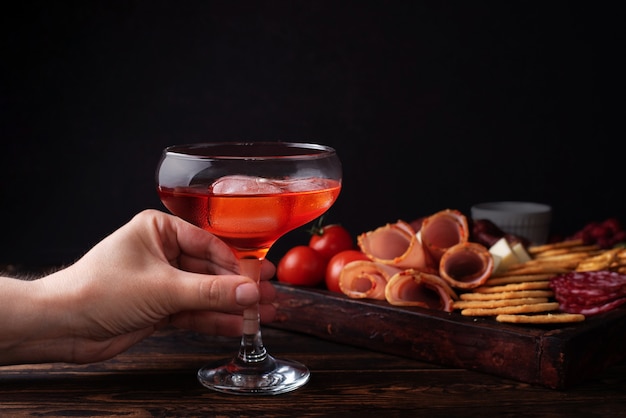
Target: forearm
{"x":28,"y":332}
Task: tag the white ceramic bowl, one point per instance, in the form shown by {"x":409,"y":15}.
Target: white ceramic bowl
{"x":527,"y":219}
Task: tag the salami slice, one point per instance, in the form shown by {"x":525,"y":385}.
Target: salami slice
{"x":589,"y":292}
{"x":591,"y":309}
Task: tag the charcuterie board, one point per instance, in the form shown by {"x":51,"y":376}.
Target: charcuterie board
{"x":555,"y":356}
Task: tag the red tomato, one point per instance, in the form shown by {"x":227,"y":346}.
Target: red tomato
{"x":302,"y":266}
{"x":335,"y":265}
{"x":330,"y":240}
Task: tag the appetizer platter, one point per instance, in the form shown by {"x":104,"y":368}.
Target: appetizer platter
{"x":555,"y":357}
{"x":552,"y":315}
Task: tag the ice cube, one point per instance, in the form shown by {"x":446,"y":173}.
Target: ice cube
{"x":244,"y":185}
{"x":302,"y":184}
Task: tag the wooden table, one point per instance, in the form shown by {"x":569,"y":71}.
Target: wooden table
{"x":157,"y":377}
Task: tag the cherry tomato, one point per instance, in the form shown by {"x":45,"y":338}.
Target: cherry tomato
{"x":301,"y":266}
{"x":335,"y":265}
{"x":330,"y":240}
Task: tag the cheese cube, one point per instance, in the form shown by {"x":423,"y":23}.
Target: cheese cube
{"x":503,"y":250}
{"x":496,"y":262}
{"x":520,"y":252}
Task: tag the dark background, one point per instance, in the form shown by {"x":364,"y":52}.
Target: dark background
{"x":431,"y":105}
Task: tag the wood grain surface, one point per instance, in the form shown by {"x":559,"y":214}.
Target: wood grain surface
{"x":157,"y":378}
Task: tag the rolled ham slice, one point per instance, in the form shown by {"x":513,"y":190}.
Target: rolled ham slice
{"x":395,"y":245}
{"x":443,"y":230}
{"x":362,"y":279}
{"x":417,"y":288}
{"x":466,"y":265}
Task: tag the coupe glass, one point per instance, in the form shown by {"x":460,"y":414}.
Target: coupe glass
{"x":249,"y":195}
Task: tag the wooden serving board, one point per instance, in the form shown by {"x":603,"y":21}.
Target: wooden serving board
{"x":555,"y":356}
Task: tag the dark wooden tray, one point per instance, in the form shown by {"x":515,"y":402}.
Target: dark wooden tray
{"x":553,"y":356}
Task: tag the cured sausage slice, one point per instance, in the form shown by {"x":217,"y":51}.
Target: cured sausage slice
{"x":589,"y":292}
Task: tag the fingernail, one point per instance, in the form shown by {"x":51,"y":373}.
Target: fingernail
{"x":247,"y":294}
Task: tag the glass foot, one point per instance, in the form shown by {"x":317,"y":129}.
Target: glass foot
{"x":284,"y":376}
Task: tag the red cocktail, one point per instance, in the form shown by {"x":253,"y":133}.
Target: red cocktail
{"x":251,"y":222}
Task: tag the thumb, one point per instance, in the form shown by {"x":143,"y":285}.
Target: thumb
{"x":225,"y":293}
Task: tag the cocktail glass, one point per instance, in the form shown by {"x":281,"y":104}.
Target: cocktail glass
{"x":249,"y":195}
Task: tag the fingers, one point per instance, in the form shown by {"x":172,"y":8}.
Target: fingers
{"x":193,"y":249}
{"x":218,"y":323}
{"x":201,"y":289}
{"x":185,"y":245}
{"x":214,"y":304}
{"x":268,"y":270}
{"x":196,"y":265}
{"x":268,"y":292}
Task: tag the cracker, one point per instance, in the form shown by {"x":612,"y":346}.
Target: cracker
{"x":613,"y":259}
{"x":537,"y":269}
{"x":518,"y":309}
{"x":561,"y":244}
{"x":563,"y":260}
{"x":517,"y":294}
{"x":463,"y":304}
{"x":600,"y":261}
{"x":549,"y":318}
{"x":541,"y":284}
{"x":564,"y":253}
{"x":506,"y":279}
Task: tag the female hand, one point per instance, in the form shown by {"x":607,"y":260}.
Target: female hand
{"x":154,"y":271}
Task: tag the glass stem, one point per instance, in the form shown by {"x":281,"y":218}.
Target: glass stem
{"x":251,"y":351}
